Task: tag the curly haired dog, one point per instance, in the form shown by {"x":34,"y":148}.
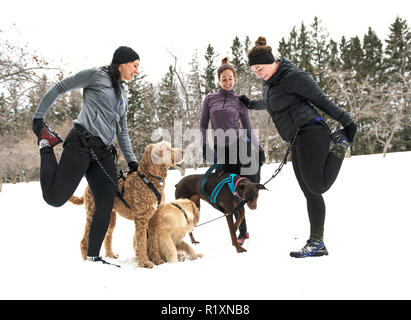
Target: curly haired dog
{"x":167,"y":229}
{"x":157,"y":158}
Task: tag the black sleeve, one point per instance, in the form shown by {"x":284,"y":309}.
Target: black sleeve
{"x":303,"y":84}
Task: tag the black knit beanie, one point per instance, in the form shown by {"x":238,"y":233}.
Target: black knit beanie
{"x":261,"y":58}
{"x":124,"y":55}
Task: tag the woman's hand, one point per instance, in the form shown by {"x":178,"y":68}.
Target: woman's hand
{"x":351,"y":131}
{"x":245,"y":100}
{"x":132,"y":166}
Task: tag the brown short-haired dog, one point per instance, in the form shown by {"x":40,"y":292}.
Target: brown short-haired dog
{"x":190,"y":188}
{"x":142,"y":200}
{"x":167,"y":229}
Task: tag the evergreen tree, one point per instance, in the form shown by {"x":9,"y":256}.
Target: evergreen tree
{"x":251,"y":85}
{"x":284,"y":49}
{"x":334,"y":62}
{"x":141,"y":113}
{"x":304,"y":50}
{"x":397,"y":51}
{"x":135,"y":103}
{"x":354,"y":58}
{"x":210,"y":71}
{"x":195,"y":88}
{"x":320,"y":52}
{"x":344,"y":56}
{"x":397,"y":77}
{"x":371,"y":65}
{"x":170,"y":107}
{"x":237,"y":59}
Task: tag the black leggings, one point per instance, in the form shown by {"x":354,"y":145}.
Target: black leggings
{"x":60,"y":180}
{"x":315,"y":168}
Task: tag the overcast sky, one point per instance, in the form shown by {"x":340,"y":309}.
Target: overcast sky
{"x":84,"y":34}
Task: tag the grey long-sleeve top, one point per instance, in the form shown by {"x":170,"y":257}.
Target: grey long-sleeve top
{"x":103,"y":114}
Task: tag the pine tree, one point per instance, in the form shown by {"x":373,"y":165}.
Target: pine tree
{"x":344,"y":56}
{"x":304,"y":50}
{"x":354,"y":58}
{"x":372,"y":61}
{"x":284,"y":49}
{"x":320,"y":52}
{"x":397,"y":80}
{"x":238,"y":62}
{"x":141,"y":113}
{"x":397,"y":51}
{"x":251,"y":85}
{"x":170,"y":107}
{"x":195,"y":88}
{"x":334,"y":62}
{"x":135,"y":103}
{"x":210,"y":71}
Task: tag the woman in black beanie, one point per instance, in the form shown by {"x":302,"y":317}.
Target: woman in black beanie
{"x":289,"y":95}
{"x":88,"y":148}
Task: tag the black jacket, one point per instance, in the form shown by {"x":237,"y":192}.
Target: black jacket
{"x":289,"y":96}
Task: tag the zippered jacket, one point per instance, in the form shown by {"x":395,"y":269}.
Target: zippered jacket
{"x":290,"y":96}
{"x":225,"y":111}
{"x":103,"y":113}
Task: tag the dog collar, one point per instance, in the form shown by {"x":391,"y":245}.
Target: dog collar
{"x":181,"y":209}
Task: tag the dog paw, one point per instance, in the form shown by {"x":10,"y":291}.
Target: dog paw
{"x":112,"y":255}
{"x":240,"y":249}
{"x":181,"y":257}
{"x":159,"y":261}
{"x":146,"y":264}
{"x":196,"y":256}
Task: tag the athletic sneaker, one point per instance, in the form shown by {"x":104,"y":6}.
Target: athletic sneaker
{"x":100,"y":259}
{"x":342,"y":143}
{"x":242,"y":237}
{"x":313,"y":248}
{"x":43,"y":132}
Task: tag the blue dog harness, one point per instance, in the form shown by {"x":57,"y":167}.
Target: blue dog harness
{"x":232,"y":185}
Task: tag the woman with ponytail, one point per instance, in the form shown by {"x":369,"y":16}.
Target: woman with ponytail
{"x":88,"y":148}
{"x":290,"y":96}
{"x":226,"y":112}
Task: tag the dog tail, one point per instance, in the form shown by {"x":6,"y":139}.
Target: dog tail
{"x":76,"y":200}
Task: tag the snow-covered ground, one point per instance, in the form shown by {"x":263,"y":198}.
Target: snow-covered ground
{"x":367,"y":234}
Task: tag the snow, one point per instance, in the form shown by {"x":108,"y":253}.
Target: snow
{"x":367,"y":234}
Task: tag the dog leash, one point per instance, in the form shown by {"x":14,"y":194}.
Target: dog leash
{"x":240,"y":205}
{"x":277,"y":171}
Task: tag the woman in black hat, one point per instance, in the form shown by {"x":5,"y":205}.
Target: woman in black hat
{"x":88,"y":148}
{"x":289,"y":96}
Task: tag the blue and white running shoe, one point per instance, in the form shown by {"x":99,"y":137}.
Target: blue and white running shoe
{"x":313,"y":248}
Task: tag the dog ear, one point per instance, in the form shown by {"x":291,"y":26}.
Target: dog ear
{"x":240,"y":189}
{"x":261,"y":187}
{"x":157,"y":154}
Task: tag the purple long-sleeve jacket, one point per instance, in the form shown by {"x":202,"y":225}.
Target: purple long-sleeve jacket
{"x":225,"y":111}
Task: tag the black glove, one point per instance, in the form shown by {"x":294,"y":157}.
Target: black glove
{"x":37,"y":125}
{"x":132,"y":166}
{"x":245,"y":100}
{"x":350,"y":131}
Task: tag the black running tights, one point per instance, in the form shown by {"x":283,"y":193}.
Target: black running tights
{"x":60,"y":180}
{"x":315,"y":168}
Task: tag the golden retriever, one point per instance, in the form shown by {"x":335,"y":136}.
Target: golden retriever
{"x":167,"y":229}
